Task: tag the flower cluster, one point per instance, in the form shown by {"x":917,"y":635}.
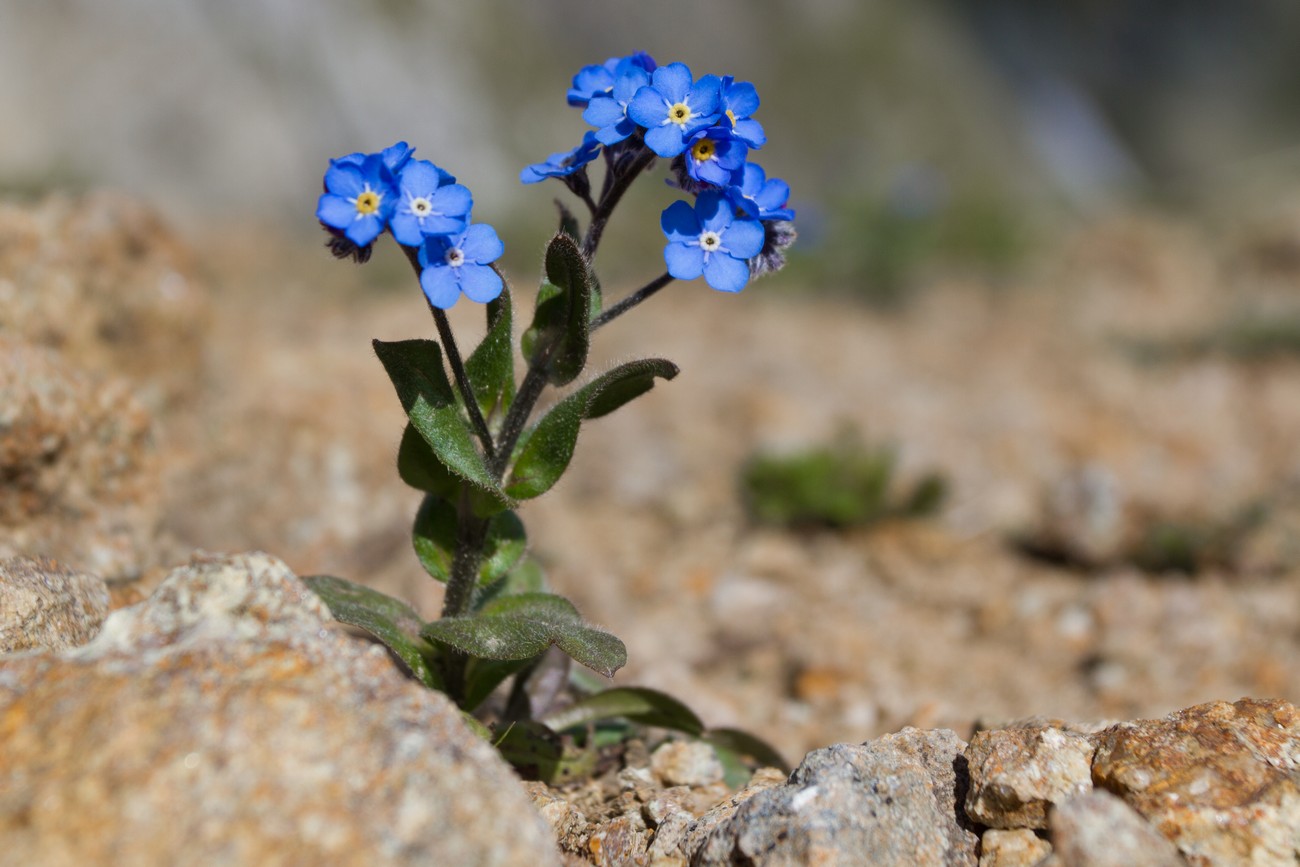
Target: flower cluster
{"x":740,"y":224}
{"x":425,"y":211}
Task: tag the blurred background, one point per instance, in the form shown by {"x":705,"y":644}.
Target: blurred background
{"x":916,"y":135}
{"x":1014,"y":433}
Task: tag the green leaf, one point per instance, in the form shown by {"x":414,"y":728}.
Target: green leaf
{"x":420,"y":468}
{"x":484,"y":675}
{"x":538,"y":753}
{"x":524,"y":626}
{"x":526,"y":577}
{"x":390,"y":620}
{"x":560,"y":332}
{"x":434,"y":537}
{"x":546,"y":449}
{"x":639,"y":704}
{"x":743,"y":745}
{"x":491,"y":367}
{"x":415,"y":367}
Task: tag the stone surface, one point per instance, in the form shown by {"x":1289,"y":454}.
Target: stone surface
{"x":223,"y":721}
{"x":79,"y":465}
{"x":44,"y":605}
{"x":1019,"y":847}
{"x":1097,"y":829}
{"x":686,"y":763}
{"x":880,"y":801}
{"x":1222,"y":781}
{"x":1017,"y":774}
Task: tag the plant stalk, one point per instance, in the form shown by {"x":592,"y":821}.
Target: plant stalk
{"x":632,"y":300}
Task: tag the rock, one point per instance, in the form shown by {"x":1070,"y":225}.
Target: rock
{"x":102,"y":280}
{"x":43,"y":605}
{"x":223,"y":721}
{"x":1097,"y":829}
{"x":686,"y":763}
{"x":1222,"y":781}
{"x":721,"y":813}
{"x":1017,"y":774}
{"x":1020,"y":847}
{"x":890,"y":801}
{"x":82,"y":479}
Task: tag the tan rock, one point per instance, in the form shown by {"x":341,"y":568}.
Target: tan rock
{"x":1222,"y":781}
{"x":1097,"y":829}
{"x":223,"y":721}
{"x":1019,"y":847}
{"x":44,"y":605}
{"x":1018,"y":774}
{"x":686,"y":763}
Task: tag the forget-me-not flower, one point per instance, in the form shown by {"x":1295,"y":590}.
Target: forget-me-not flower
{"x":760,"y":198}
{"x":710,"y":240}
{"x":608,"y":112}
{"x":461,"y":264}
{"x":597,"y":80}
{"x":737,"y":100}
{"x":564,"y":163}
{"x":428,"y":204}
{"x":715,"y":156}
{"x":359,"y":198}
{"x":673,"y":107}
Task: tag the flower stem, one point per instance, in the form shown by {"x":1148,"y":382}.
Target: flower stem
{"x":458,"y":372}
{"x":610,"y":197}
{"x":522,"y":407}
{"x":632,"y":300}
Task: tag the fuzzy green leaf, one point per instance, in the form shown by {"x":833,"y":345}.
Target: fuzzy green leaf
{"x":561,"y":327}
{"x":434,"y":537}
{"x":525,"y":577}
{"x":524,"y":626}
{"x":639,"y":704}
{"x":546,"y":448}
{"x":390,"y":620}
{"x":484,"y":675}
{"x":491,"y":367}
{"x":420,"y":468}
{"x":415,"y":367}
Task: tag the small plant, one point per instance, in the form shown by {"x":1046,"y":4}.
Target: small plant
{"x":472,"y":443}
{"x":840,"y":485}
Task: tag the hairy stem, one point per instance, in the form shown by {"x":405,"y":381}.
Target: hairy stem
{"x":632,"y":300}
{"x":610,"y":197}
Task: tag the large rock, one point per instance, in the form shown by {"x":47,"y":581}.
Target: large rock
{"x":1018,"y":773}
{"x":44,"y":605}
{"x":1222,"y":781}
{"x":80,"y":468}
{"x":892,"y":801}
{"x":223,"y":721}
{"x":1097,"y":829}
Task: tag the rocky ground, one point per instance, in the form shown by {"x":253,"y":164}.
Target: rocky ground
{"x":1141,"y":382}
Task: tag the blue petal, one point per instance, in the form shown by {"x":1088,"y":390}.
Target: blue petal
{"x":685,"y":261}
{"x":419,"y":178}
{"x":673,"y":81}
{"x":406,"y":230}
{"x":726,"y":274}
{"x":713,"y":210}
{"x":648,"y":107}
{"x":440,"y":224}
{"x":773,"y":195}
{"x":743,"y":238}
{"x":335,"y":211}
{"x":480,"y":283}
{"x":741,"y":99}
{"x":533,"y":174}
{"x":481,"y":244}
{"x":603,"y":111}
{"x":679,"y":222}
{"x":453,"y":201}
{"x":434,"y":251}
{"x":750,"y":132}
{"x":666,"y":141}
{"x":364,"y":231}
{"x":396,"y":155}
{"x":612,"y":135}
{"x":440,"y":286}
{"x":704,"y":95}
{"x":629,"y":81}
{"x":345,"y":179}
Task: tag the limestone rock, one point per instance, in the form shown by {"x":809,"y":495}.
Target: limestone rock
{"x":1097,"y":829}
{"x":43,"y":605}
{"x":686,"y":763}
{"x":1222,"y":781}
{"x":890,"y":800}
{"x":223,"y":721}
{"x":1017,"y":774}
{"x":1019,"y":847}
{"x":82,"y":479}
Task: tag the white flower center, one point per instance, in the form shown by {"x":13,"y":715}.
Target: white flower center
{"x":455,"y":258}
{"x":710,"y":241}
{"x":421,"y":207}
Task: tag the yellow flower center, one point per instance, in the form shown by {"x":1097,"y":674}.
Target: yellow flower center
{"x":679,"y":113}
{"x":368,"y":202}
{"x":704,"y":150}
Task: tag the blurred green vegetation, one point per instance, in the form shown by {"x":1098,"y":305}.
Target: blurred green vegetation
{"x":1247,"y":337}
{"x":838,"y":485}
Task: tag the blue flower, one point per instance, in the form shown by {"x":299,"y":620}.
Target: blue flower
{"x":708,"y":239}
{"x":674,"y":107}
{"x":608,"y":112}
{"x":429,"y":204}
{"x":737,"y":101}
{"x":563,"y":164}
{"x":359,"y":198}
{"x":715,"y":156}
{"x":759,"y":198}
{"x":592,"y":81}
{"x":456,"y":264}
{"x":394,"y":156}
